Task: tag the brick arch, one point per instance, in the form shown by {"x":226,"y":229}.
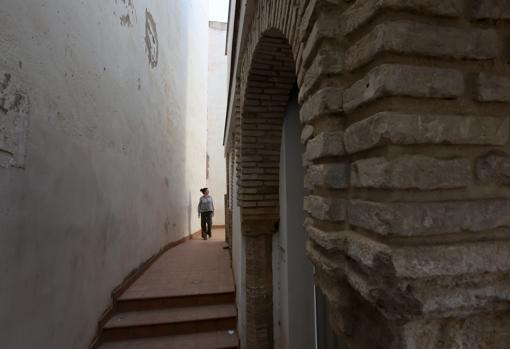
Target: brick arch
{"x":287,"y":43}
{"x":264,"y":100}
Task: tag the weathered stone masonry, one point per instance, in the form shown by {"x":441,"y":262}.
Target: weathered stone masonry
{"x":405,"y":113}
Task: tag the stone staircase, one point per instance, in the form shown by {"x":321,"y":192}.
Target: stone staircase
{"x":177,"y":306}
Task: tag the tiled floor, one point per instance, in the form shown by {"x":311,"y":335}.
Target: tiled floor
{"x":194,"y":267}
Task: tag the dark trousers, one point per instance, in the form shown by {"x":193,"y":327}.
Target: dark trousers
{"x":206,"y":220}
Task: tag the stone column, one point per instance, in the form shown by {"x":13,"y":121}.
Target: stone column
{"x":409,"y":210}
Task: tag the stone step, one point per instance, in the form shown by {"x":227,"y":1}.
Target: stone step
{"x":152,"y":303}
{"x":205,"y":340}
{"x":169,"y":322}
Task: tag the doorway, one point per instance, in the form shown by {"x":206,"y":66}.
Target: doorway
{"x":294,"y":299}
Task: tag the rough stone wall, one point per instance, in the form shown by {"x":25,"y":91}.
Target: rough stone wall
{"x":102,"y":150}
{"x":405,"y":108}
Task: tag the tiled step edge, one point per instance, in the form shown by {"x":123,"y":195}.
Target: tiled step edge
{"x":173,"y":321}
{"x":135,"y":304}
{"x":221,"y":340}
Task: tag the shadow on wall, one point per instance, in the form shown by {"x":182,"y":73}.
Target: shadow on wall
{"x":108,"y":175}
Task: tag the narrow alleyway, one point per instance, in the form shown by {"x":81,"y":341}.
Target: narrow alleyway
{"x":186,"y":299}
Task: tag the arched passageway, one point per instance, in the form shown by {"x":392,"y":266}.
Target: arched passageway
{"x":280,"y":295}
{"x":265,"y":101}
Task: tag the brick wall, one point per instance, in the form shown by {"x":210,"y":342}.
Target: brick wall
{"x":405,"y":113}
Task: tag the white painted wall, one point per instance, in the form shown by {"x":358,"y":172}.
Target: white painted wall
{"x":115,"y":151}
{"x":216,"y":109}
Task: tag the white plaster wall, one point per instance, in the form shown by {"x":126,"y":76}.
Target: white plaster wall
{"x":216,"y":109}
{"x":115,"y":151}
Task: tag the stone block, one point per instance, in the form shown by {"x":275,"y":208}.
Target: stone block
{"x":361,"y":12}
{"x":481,"y":331}
{"x":330,"y":241}
{"x":404,"y":81}
{"x":396,"y":128}
{"x":327,"y":209}
{"x":334,"y":176}
{"x":368,"y":252}
{"x":464,"y":294}
{"x":413,"y":38}
{"x":311,"y":12}
{"x":322,"y":262}
{"x":451,"y":259}
{"x":324,"y":27}
{"x":306,"y":133}
{"x":411,"y":172}
{"x":494,"y":167}
{"x":416,"y":262}
{"x":326,"y":61}
{"x":491,"y":9}
{"x":429,"y":218}
{"x":335,"y":287}
{"x":324,"y":145}
{"x":325,"y":101}
{"x":493,"y":88}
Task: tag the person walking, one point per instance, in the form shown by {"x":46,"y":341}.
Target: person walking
{"x":206,"y":213}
